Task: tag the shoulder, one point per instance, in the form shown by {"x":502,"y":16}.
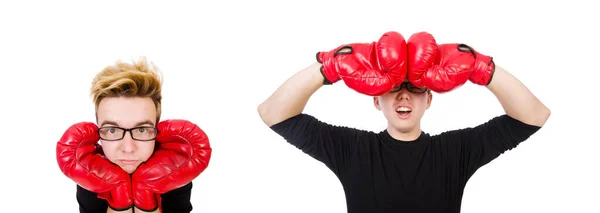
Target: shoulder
{"x":501,"y":127}
{"x":307,"y":122}
{"x":178,"y":200}
{"x":494,"y":121}
{"x":84,"y":192}
{"x":89,"y":202}
{"x":187,"y":188}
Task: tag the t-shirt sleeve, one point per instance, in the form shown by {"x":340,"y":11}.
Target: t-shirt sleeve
{"x":479,"y":145}
{"x":89,"y":201}
{"x":329,"y":144}
{"x":177,"y":200}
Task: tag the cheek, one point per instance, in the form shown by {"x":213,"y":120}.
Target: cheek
{"x":109,"y":149}
{"x":386,"y":102}
{"x":422,"y":102}
{"x":145,"y":150}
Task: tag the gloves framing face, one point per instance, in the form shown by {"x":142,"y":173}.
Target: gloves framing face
{"x":375,"y":68}
{"x":183,"y":152}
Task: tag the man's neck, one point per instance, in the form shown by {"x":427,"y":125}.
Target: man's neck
{"x":405,"y":136}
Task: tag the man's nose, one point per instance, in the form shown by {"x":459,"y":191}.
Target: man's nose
{"x":403,"y":93}
{"x":128,"y":144}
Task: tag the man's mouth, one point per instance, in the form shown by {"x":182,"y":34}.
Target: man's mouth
{"x":128,"y":162}
{"x":403,"y":110}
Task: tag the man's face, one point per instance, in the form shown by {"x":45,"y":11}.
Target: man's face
{"x":404,"y":106}
{"x":128,"y":149}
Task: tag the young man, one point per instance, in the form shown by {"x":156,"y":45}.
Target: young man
{"x":129,"y":161}
{"x":403,"y":168}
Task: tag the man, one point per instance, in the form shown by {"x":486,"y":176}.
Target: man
{"x":130,"y":161}
{"x":403,"y":168}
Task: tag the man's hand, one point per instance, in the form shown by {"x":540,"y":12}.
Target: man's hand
{"x":484,"y":68}
{"x":368,"y":68}
{"x":183,"y":153}
{"x":441,"y":68}
{"x":80,"y":160}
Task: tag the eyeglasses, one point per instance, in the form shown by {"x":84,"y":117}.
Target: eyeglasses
{"x":114,"y":133}
{"x":410,"y":87}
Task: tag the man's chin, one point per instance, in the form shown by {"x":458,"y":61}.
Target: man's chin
{"x":130,"y":169}
{"x":404,"y":126}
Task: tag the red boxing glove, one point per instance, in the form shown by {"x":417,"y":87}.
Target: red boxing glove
{"x":423,"y":53}
{"x":453,"y":70}
{"x":368,"y":68}
{"x":483,"y":69}
{"x":183,"y":152}
{"x":440,"y":68}
{"x":80,"y":160}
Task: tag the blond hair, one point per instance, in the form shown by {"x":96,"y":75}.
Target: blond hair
{"x":137,"y":79}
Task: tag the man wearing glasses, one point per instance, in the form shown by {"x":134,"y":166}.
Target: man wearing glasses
{"x":131,"y":162}
{"x":403,"y":168}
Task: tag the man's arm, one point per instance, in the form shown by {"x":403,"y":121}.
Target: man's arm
{"x":516,"y":99}
{"x":290,"y":98}
{"x":525,"y":115}
{"x":282,"y":112}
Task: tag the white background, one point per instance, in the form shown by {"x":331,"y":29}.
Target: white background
{"x":220,"y":60}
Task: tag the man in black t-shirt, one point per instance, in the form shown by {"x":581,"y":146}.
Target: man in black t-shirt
{"x":403,"y":168}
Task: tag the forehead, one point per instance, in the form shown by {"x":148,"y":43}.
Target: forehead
{"x":126,"y":112}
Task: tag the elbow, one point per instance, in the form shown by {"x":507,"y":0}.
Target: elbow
{"x":263,"y":113}
{"x":545,"y":115}
{"x":261,"y":110}
{"x":542,"y":116}
{"x":535,"y":116}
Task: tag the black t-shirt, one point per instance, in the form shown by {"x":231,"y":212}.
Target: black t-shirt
{"x":381,"y":174}
{"x":175,"y":201}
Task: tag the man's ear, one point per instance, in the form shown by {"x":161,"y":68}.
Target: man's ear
{"x":376,"y":102}
{"x":429,"y":98}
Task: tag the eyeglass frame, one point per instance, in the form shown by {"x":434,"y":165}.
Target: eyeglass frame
{"x":406,"y":85}
{"x":125,"y":130}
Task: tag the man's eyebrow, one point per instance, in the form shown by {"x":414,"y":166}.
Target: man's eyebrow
{"x":109,"y":123}
{"x":149,"y":122}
